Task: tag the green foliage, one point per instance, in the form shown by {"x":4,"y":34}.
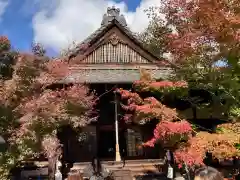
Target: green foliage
{"x":153,"y":37}
{"x":7,"y":58}
{"x":237,"y":146}
{"x":198,"y":67}
{"x":235,"y":112}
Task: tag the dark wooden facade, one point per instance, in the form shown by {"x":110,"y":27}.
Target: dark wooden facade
{"x":112,"y":56}
{"x":99,"y":138}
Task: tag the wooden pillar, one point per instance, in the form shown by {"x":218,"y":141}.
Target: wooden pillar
{"x":118,"y":156}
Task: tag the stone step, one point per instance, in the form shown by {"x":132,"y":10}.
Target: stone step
{"x":127,"y":166}
{"x":131,"y":165}
{"x":141,"y":161}
{"x":122,"y":175}
{"x":136,"y":167}
{"x":128,"y":163}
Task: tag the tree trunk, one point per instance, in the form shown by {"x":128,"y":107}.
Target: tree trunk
{"x":52,"y":168}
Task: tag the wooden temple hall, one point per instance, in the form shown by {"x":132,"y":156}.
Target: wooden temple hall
{"x":111,"y":57}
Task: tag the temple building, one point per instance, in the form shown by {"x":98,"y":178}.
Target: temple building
{"x":111,"y":57}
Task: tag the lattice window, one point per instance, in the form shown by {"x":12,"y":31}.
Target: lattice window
{"x":134,"y":140}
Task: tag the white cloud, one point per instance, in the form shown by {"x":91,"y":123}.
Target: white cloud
{"x":3,"y":6}
{"x":57,"y":24}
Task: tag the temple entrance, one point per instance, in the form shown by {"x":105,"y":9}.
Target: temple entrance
{"x":108,"y":112}
{"x":130,"y":140}
{"x":107,"y":144}
{"x":99,"y":138}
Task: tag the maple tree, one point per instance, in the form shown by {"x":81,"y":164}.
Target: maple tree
{"x":153,"y":38}
{"x":209,"y":36}
{"x":170,"y":129}
{"x":222,"y":146}
{"x":201,"y":35}
{"x":189,"y":144}
{"x":35,"y":112}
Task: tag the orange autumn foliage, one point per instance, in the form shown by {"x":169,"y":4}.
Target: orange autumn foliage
{"x":190,"y":147}
{"x":35,"y":111}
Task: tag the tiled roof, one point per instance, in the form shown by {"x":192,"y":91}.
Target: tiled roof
{"x":88,"y":41}
{"x":113,"y":75}
{"x":105,"y":73}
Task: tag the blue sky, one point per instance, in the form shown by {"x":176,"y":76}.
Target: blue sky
{"x":16,"y":25}
{"x":17,"y":22}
